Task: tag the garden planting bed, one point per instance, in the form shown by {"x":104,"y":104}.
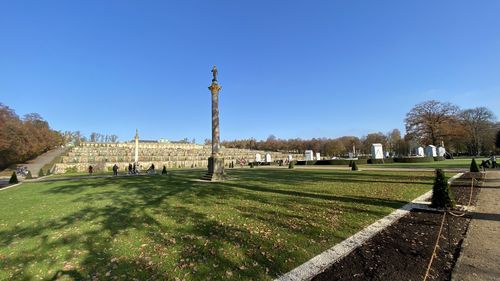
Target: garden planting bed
{"x":403,"y":250}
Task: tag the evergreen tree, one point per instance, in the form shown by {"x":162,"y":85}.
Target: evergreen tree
{"x":441,"y":194}
{"x":354,"y":166}
{"x":474,"y":168}
{"x":41,"y":173}
{"x":13,"y":178}
{"x":164,"y":171}
{"x":291,"y":165}
{"x":29,"y":175}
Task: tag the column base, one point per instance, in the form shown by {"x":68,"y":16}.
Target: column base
{"x":215,"y":169}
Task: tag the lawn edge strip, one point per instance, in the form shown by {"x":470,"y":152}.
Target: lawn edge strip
{"x":323,"y":261}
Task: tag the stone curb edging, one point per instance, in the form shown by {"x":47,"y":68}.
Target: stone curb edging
{"x":321,"y":262}
{"x":10,"y":186}
{"x":25,"y":181}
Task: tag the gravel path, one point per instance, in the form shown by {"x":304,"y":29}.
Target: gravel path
{"x":480,"y":258}
{"x":36,"y":164}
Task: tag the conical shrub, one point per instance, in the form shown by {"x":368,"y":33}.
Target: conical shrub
{"x":29,"y":175}
{"x":13,"y":178}
{"x":41,"y":173}
{"x":441,"y":194}
{"x":164,"y":171}
{"x":474,"y":168}
{"x":354,"y":166}
{"x":291,"y":165}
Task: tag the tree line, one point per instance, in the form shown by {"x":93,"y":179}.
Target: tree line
{"x":76,"y":137}
{"x":471,"y":131}
{"x":24,"y":138}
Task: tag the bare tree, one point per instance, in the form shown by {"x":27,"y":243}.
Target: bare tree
{"x":429,"y":122}
{"x":497,"y":140}
{"x":478,"y":124}
{"x":393,"y":140}
{"x":93,"y":137}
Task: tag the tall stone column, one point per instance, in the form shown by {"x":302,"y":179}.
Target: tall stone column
{"x":136,"y":156}
{"x":215,"y":161}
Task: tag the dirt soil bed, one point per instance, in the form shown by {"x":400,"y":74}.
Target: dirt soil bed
{"x":403,"y":250}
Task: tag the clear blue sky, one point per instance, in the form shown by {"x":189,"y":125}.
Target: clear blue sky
{"x":289,"y":68}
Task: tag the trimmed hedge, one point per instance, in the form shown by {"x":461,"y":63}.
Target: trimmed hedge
{"x":331,"y":162}
{"x":414,"y":159}
{"x":375,"y":161}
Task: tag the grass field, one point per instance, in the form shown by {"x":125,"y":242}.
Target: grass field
{"x":261,"y":224}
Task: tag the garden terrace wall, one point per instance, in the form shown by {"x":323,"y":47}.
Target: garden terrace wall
{"x":105,"y":155}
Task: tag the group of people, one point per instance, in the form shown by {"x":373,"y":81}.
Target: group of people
{"x":490,"y":163}
{"x":132,"y":169}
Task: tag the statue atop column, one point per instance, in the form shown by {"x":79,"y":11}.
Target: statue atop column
{"x":214,"y":73}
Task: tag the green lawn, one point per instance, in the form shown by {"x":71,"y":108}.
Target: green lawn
{"x":263,"y":223}
{"x":449,"y":163}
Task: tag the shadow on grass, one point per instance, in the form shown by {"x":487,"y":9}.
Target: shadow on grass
{"x":242,"y":242}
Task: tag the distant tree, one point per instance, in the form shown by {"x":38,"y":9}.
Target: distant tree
{"x":372,"y":138}
{"x":93,"y":137}
{"x":428,"y":122}
{"x":113,"y":138}
{"x":497,"y":141}
{"x":477,"y":123}
{"x":208,"y":142}
{"x":393,"y":140}
{"x":334,"y":148}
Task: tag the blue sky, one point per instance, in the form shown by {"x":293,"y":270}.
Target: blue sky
{"x":289,"y":68}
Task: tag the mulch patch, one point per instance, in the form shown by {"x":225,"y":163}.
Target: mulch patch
{"x":403,"y":250}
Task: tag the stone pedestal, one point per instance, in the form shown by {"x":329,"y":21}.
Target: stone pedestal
{"x":215,"y":169}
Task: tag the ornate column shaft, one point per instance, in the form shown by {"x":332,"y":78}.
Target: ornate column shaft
{"x":136,"y":156}
{"x":214,"y":89}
